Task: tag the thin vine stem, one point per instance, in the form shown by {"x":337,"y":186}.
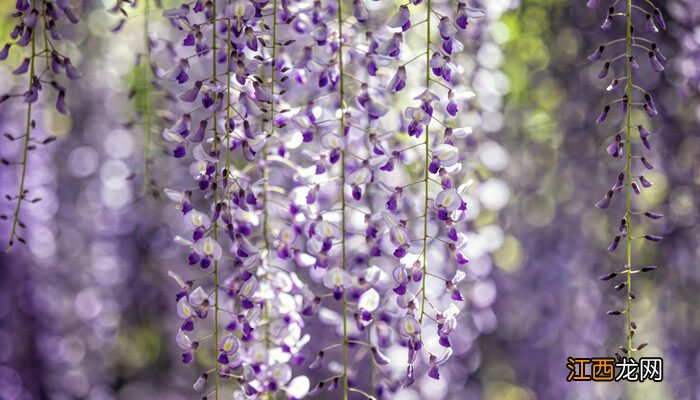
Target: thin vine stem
{"x":426,"y":176}
{"x":341,"y":89}
{"x":25,"y":151}
{"x":216,"y":225}
{"x":266,"y":170}
{"x":147,"y":118}
{"x":628,"y":182}
{"x":47,"y":42}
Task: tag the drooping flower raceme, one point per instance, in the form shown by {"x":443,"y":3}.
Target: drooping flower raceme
{"x":429,"y":120}
{"x":38,"y":23}
{"x":627,"y":53}
{"x":300,"y":206}
{"x":226,"y":75}
{"x":144,"y":87}
{"x":306,"y":191}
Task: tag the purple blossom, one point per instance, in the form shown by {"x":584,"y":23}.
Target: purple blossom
{"x":626,"y":179}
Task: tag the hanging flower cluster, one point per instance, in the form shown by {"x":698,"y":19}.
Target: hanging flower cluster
{"x":37,"y":29}
{"x":227,"y":83}
{"x":630,"y":180}
{"x":431,"y":122}
{"x":310,"y":199}
{"x":144,"y":87}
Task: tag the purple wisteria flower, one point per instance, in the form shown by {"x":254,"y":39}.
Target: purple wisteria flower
{"x":227,"y":67}
{"x":299,"y":196}
{"x":34,"y":35}
{"x":622,"y":145}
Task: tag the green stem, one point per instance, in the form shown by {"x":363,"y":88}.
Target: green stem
{"x":216,"y":224}
{"x":47,"y":43}
{"x":341,"y":89}
{"x":371,"y":369}
{"x":20,"y":196}
{"x":628,"y":182}
{"x":426,"y":177}
{"x":147,"y":119}
{"x":228,"y":98}
{"x":266,"y":171}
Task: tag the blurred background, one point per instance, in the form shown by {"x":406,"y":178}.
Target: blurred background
{"x":87,"y":310}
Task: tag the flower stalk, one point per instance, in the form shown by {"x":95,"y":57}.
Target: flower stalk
{"x":427,"y":169}
{"x":25,"y":150}
{"x":32,"y":18}
{"x":341,"y":92}
{"x":628,"y":168}
{"x":628,"y":180}
{"x":215,"y":121}
{"x":148,"y":101}
{"x":266,"y":172}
